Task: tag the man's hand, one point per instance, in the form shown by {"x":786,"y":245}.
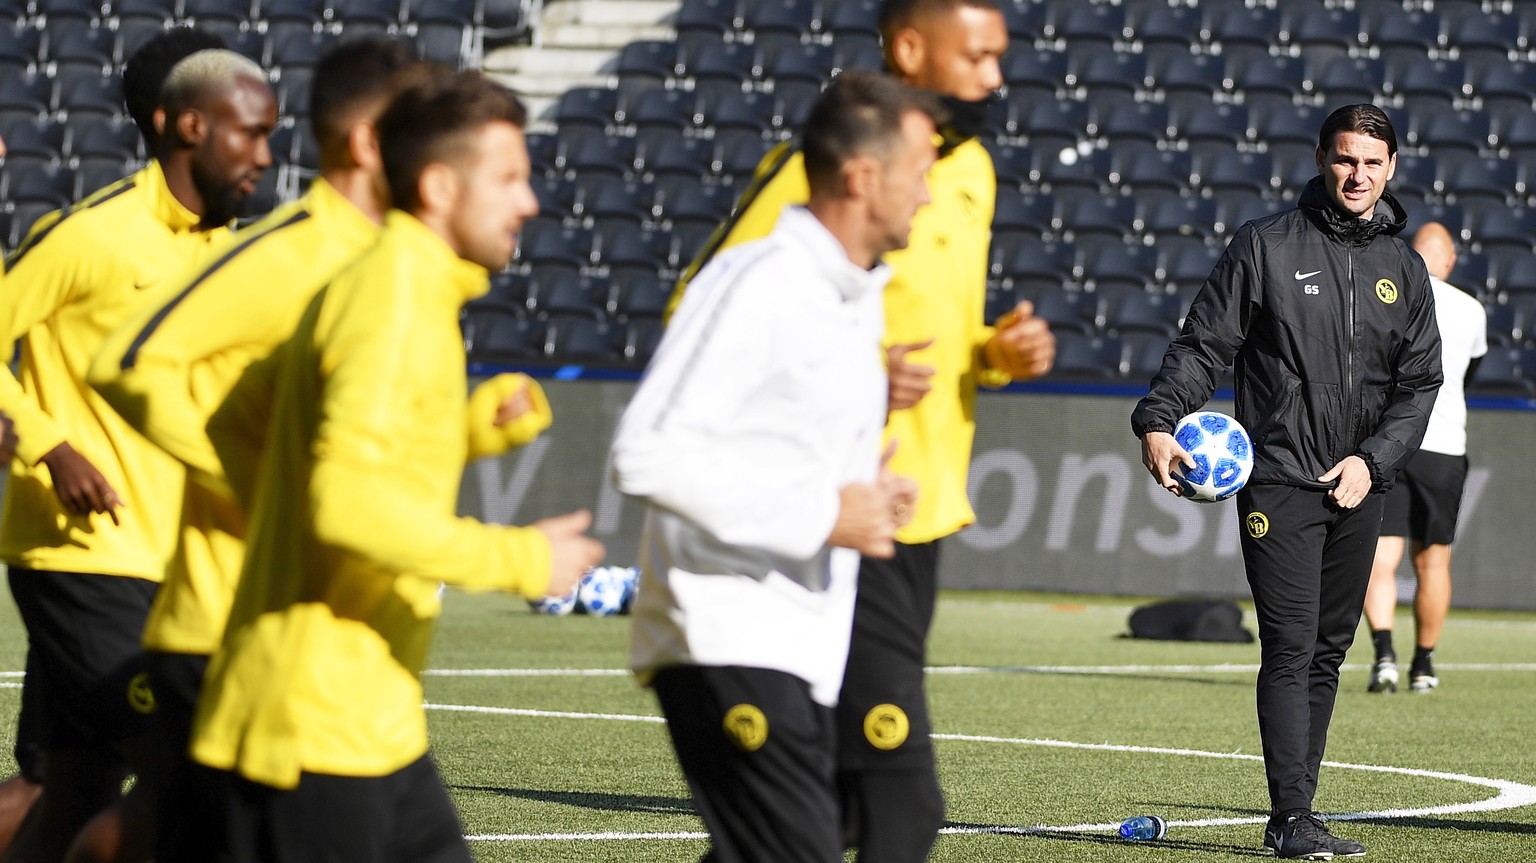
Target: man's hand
{"x":7,"y":440}
{"x":80,"y":486}
{"x":571,"y":552}
{"x":512,"y":407}
{"x":909,"y":381}
{"x":903,"y":490}
{"x":1354,"y":482}
{"x":1160,"y":451}
{"x":866,"y":520}
{"x":1022,"y":347}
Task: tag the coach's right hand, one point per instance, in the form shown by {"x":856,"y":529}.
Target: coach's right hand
{"x":80,"y":486}
{"x":909,"y":382}
{"x":571,"y":552}
{"x":1160,"y":451}
{"x":866,"y":520}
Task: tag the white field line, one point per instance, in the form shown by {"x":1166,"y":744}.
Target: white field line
{"x":1511,"y":795}
{"x":1224,"y":668}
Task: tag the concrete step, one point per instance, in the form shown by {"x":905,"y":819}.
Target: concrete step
{"x":610,"y":13}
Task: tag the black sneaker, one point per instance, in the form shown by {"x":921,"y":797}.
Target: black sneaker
{"x":1299,"y":837}
{"x":1340,"y":847}
{"x":1422,"y":677}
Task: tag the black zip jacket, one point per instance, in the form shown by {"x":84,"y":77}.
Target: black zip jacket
{"x":1331,"y":322}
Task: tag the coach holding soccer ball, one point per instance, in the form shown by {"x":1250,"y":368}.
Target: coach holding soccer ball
{"x":1331,"y":322}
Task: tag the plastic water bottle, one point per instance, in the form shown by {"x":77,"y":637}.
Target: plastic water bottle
{"x":1143,"y":827}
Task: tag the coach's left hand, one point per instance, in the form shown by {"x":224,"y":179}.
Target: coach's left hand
{"x":1022,"y":347}
{"x":1354,"y":482}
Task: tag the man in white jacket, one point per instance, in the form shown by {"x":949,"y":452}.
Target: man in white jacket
{"x":755,"y":439}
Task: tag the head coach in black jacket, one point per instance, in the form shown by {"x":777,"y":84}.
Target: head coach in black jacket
{"x":1330,"y":322}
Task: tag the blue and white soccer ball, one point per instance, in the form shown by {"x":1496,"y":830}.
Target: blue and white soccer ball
{"x":554,"y":606}
{"x":1223,"y":455}
{"x":606,"y":590}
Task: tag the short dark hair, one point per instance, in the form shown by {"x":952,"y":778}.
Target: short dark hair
{"x":145,"y":72}
{"x":353,"y":76}
{"x":896,"y":14}
{"x":1363,"y":119}
{"x":432,"y":120}
{"x":859,"y":114}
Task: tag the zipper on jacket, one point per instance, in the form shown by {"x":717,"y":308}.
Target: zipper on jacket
{"x":1350,"y":421}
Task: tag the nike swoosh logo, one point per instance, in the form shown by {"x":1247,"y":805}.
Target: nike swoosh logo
{"x":1300,"y":275}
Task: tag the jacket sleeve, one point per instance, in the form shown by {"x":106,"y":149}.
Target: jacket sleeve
{"x":238,"y":427}
{"x":38,"y":285}
{"x":360,"y":492}
{"x":778,"y":181}
{"x":488,"y":439}
{"x":1415,"y":385}
{"x":682,"y":444}
{"x":1214,"y":331}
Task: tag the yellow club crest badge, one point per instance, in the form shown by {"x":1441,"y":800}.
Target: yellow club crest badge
{"x":746,"y":726}
{"x":1386,"y":291}
{"x":886,"y":726}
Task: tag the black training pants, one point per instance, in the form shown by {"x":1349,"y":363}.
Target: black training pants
{"x":1308,"y":564}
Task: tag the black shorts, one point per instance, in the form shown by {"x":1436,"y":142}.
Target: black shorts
{"x":757,"y":752}
{"x":405,"y":817}
{"x":882,"y":713}
{"x":86,"y":685}
{"x":1424,"y":502}
{"x":185,"y":804}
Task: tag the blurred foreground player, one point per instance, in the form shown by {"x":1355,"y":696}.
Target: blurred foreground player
{"x":939,"y":349}
{"x":1423,"y":504}
{"x":755,"y":439}
{"x":311,"y":713}
{"x":168,"y":369}
{"x":91,"y":506}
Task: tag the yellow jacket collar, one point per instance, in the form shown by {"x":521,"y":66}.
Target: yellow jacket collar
{"x":465,"y":279}
{"x":164,"y":204}
{"x":346,"y":221}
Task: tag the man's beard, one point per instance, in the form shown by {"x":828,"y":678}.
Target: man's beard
{"x":222,"y":202}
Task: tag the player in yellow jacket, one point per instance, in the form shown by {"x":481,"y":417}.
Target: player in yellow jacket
{"x":312,"y":708}
{"x":91,"y":507}
{"x":143,"y":76}
{"x":939,"y":349}
{"x":168,"y":368}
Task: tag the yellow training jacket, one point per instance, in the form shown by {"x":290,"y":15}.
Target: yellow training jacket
{"x":939,"y":292}
{"x":169,"y":367}
{"x":73,"y":283}
{"x":353,"y":525}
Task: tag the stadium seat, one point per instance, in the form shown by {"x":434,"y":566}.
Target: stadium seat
{"x":1281,"y":76}
{"x":858,"y":51}
{"x":1474,"y":178}
{"x":1093,"y":24}
{"x":1225,"y":124}
{"x":504,"y":21}
{"x":453,"y":45}
{"x":1145,"y":312}
{"x":1517,"y":274}
{"x":1047,"y":126}
{"x":556,"y":290}
{"x":23,"y":214}
{"x":499,"y":335}
{"x":546,"y":242}
{"x":1040,"y":73}
{"x":1220,"y":170}
{"x":613,"y":200}
{"x":94,"y":173}
{"x":587,"y":106}
{"x":591,"y":151}
{"x":1415,"y":175}
{"x":133,"y":32}
{"x":1080,"y":356}
{"x":1185,"y":73}
{"x":693,"y":202}
{"x":1295,"y":166}
{"x":1019,"y":257}
{"x":755,"y":114}
{"x":56,"y":12}
{"x":1314,"y":24}
{"x":710,"y":19}
{"x":1142,"y":169}
{"x":1500,"y":373}
{"x":1142,"y":355}
{"x":80,"y":46}
{"x":509,"y":288}
{"x":736,"y":159}
{"x":293,"y":87}
{"x":1111,"y":71}
{"x":1110,"y":266}
{"x":644,"y":64}
{"x":1237,"y":25}
{"x":103,"y":137}
{"x":203,"y":12}
{"x":639,"y":341}
{"x":1506,"y":85}
{"x":577,"y":338}
{"x":1135,"y":121}
{"x":365,"y":16}
{"x":1092,"y":214}
{"x":39,"y":139}
{"x":719,"y":62}
{"x":856,"y":17}
{"x":639,"y":295}
{"x":1346,"y":80}
{"x":669,"y":151}
{"x":25,"y":94}
{"x":1511,"y":228}
{"x":1090,"y":171}
{"x":1067,"y":311}
{"x":1415,"y":29}
{"x":1159,"y":24}
{"x":1170,"y":215}
{"x":1184,"y":266}
{"x":797,"y":19}
{"x":799,"y":62}
{"x":34,"y":179}
{"x":1236,"y":207}
{"x":1441,"y":83}
{"x":163,"y":10}
{"x":663,"y":109}
{"x":296,"y":51}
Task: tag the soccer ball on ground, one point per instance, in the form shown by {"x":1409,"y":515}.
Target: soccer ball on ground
{"x":554,"y":606}
{"x":1223,"y":455}
{"x":606,"y":590}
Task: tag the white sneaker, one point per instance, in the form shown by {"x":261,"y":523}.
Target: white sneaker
{"x":1384,"y":676}
{"x":1423,"y":681}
